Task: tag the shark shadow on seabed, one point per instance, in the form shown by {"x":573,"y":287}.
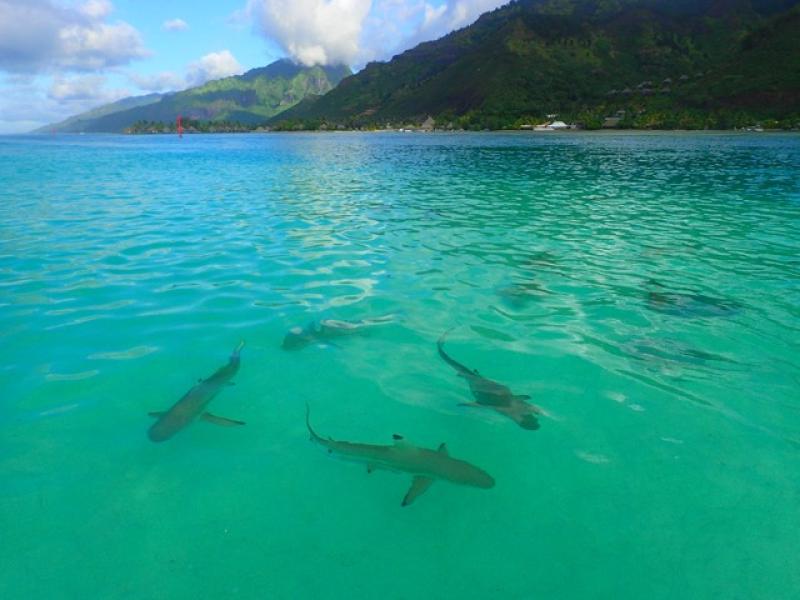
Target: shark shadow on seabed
{"x":668,"y":356}
{"x":688,"y":305}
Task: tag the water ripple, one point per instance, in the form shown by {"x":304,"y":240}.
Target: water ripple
{"x":664,"y":263}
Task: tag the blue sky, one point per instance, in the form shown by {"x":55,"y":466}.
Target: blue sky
{"x":62,"y":57}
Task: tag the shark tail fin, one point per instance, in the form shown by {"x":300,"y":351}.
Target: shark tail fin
{"x":443,"y":337}
{"x":460,"y":369}
{"x":312,"y":433}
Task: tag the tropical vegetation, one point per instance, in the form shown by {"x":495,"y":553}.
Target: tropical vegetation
{"x":646,"y":63}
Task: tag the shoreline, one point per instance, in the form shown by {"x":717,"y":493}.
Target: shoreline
{"x":526,"y":132}
{"x":516,"y":132}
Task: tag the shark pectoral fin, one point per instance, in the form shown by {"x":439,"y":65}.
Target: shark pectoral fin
{"x":522,"y":397}
{"x":418,"y":487}
{"x":471,"y":404}
{"x":220,"y":420}
{"x":443,"y":449}
{"x":157,"y":414}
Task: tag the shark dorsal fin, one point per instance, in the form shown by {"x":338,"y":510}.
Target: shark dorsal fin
{"x":443,"y":449}
{"x":400,"y":441}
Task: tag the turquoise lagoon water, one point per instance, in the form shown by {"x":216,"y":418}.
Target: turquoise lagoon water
{"x":642,"y":289}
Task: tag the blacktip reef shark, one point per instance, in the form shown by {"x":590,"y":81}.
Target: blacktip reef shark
{"x":326,"y":329}
{"x":490,"y":394}
{"x":194,"y":402}
{"x":426,"y":466}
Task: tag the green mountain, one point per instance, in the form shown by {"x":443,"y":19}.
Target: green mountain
{"x":79,"y":123}
{"x":242,"y":100}
{"x":654,"y":63}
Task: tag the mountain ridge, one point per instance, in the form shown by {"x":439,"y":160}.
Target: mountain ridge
{"x":248,"y":99}
{"x":684,"y":60}
{"x":76,"y":123}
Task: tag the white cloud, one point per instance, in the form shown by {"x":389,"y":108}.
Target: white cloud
{"x":441,"y":20}
{"x":416,"y":21}
{"x":76,"y":88}
{"x":32,"y":102}
{"x":160,"y":82}
{"x":312,"y":31}
{"x":387,"y":28}
{"x":356,"y":31}
{"x":44,"y":35}
{"x":215,"y":65}
{"x":175,"y":25}
{"x":87,"y":88}
{"x":96,"y":9}
{"x":98,"y":47}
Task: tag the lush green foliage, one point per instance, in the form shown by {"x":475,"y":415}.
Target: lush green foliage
{"x":189,"y":126}
{"x":666,"y":63}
